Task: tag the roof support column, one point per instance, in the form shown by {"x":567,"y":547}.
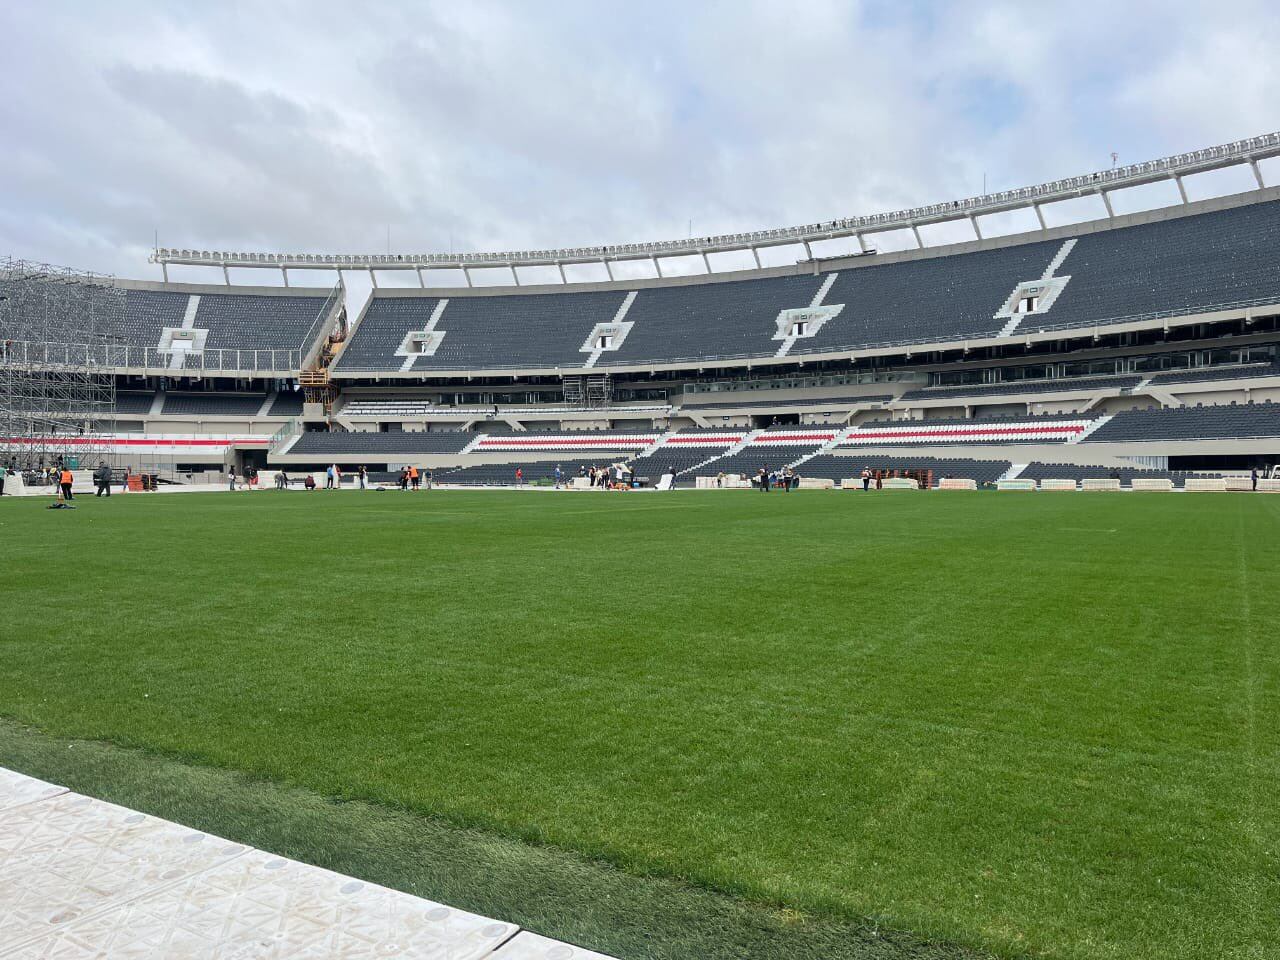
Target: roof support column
{"x":514,"y":275}
{"x":373,"y":278}
{"x":226,"y":275}
{"x":608,"y":268}
{"x":560,"y":267}
{"x":977,"y":231}
{"x":1182,"y":188}
{"x":164,"y":270}
{"x":808,"y":250}
{"x":1039,"y":215}
{"x":285,"y":273}
{"x":915,"y":232}
{"x":1257,"y":173}
{"x":862,"y":242}
{"x":705,"y":262}
{"x":467,"y":275}
{"x":756,"y":253}
{"x":1106,"y":202}
{"x":656,"y":265}
{"x":421,"y":282}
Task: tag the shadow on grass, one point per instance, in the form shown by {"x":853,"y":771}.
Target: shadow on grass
{"x":543,"y":889}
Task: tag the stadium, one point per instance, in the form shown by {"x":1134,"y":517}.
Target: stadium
{"x":448,"y":621}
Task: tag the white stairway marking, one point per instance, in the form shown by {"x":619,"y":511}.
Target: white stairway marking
{"x":1049,"y":271}
{"x":1014,"y":471}
{"x":785,"y":347}
{"x":1090,"y":428}
{"x":1061,"y":255}
{"x":824,"y":290}
{"x":436,"y":314}
{"x":618,"y":317}
{"x":189,"y":318}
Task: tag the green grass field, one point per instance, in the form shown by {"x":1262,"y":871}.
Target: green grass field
{"x":700,"y":725}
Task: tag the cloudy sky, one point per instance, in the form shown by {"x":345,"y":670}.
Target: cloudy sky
{"x":483,"y":125}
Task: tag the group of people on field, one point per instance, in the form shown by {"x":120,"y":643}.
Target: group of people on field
{"x":411,"y":478}
{"x":787,"y":479}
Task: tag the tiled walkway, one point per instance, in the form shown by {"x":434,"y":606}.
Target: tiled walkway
{"x":81,"y":879}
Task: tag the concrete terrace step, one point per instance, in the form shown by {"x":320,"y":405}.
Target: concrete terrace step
{"x":88,"y":879}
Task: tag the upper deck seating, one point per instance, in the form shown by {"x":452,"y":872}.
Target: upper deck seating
{"x":234,"y":321}
{"x":1189,"y":264}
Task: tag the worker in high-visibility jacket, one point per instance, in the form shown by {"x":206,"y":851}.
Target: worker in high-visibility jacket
{"x":65,"y":479}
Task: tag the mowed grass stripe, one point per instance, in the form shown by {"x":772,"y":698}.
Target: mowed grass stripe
{"x":984,"y":718}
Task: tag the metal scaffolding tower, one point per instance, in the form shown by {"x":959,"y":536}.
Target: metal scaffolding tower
{"x":56,"y":326}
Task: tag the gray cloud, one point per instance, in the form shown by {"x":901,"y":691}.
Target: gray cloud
{"x":503,"y":125}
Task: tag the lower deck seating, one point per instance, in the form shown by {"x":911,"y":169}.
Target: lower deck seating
{"x":344,"y":444}
{"x":212,"y":404}
{"x":1224,"y":422}
{"x":504,"y":474}
{"x":1078,"y":472}
{"x":838,"y":467}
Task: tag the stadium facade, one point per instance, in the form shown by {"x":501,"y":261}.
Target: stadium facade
{"x":1128,"y":346}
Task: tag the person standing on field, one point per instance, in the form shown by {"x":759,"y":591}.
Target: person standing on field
{"x":102,"y":477}
{"x":414,"y":477}
{"x":231,"y":479}
{"x":65,"y":479}
{"x":519,"y":477}
{"x":363,"y":474}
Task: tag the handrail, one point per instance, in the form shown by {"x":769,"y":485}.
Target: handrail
{"x":112,"y":356}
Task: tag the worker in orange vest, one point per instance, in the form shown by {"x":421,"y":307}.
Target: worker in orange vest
{"x":65,"y":480}
{"x":414,"y":479}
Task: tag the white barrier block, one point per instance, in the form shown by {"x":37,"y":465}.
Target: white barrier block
{"x":899,"y":483}
{"x":851,"y":483}
{"x":1058,"y":485}
{"x":1099,"y":484}
{"x":957,"y":483}
{"x":1269,"y":486}
{"x":1152,"y":484}
{"x":1206,"y":485}
{"x":816,"y":483}
{"x":1015,"y":484}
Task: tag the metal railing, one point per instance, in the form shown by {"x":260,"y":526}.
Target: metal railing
{"x":120,"y":356}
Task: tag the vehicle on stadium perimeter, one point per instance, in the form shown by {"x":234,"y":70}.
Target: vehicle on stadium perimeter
{"x":1133,"y":346}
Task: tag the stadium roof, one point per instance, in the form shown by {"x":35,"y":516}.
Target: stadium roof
{"x":1100,"y":184}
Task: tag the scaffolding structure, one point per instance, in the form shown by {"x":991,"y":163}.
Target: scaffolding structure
{"x":56,"y":400}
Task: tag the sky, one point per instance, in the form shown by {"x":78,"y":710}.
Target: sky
{"x":485,"y":125}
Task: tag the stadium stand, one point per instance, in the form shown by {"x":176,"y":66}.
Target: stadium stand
{"x":937,"y":298}
{"x":1126,"y":475}
{"x":354,"y":444}
{"x":212,"y":405}
{"x":987,"y":430}
{"x":1243,"y":420}
{"x":1183,"y":265}
{"x":286,"y":404}
{"x":1077,"y":385}
{"x":750,"y":401}
{"x":234,"y":321}
{"x":692,"y":321}
{"x":840,"y":467}
{"x":1217,"y":373}
{"x":134,"y":403}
